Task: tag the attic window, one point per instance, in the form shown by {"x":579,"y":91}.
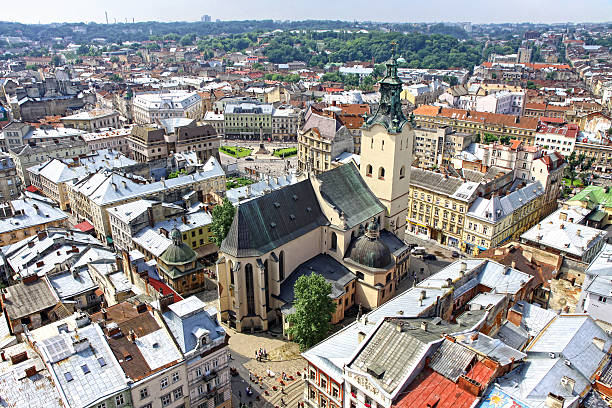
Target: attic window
{"x":155,"y":345}
{"x":308,"y":209}
{"x":291,"y":217}
{"x":277,"y":205}
{"x":272,"y":224}
{"x":295,"y":197}
{"x":101,"y":361}
{"x":68,"y":376}
{"x":85,"y":369}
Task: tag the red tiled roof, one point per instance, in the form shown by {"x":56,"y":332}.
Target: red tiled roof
{"x":524,"y":122}
{"x":164,"y":289}
{"x":434,"y":389}
{"x":546,"y":119}
{"x":570,"y":130}
{"x":84,"y":226}
{"x":515,"y":144}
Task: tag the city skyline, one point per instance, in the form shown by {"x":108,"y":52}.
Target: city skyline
{"x":476,"y":11}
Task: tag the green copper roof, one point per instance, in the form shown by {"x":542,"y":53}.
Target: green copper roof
{"x":389,"y":113}
{"x":178,"y":253}
{"x":594,"y":195}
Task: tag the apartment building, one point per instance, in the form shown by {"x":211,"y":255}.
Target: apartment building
{"x":111,"y":138}
{"x":492,"y":221}
{"x":92,"y":197}
{"x":216,"y":120}
{"x":437,"y":147}
{"x":285,"y":124}
{"x":149,"y":107}
{"x":33,"y":154}
{"x":25,"y":217}
{"x":185,"y":136}
{"x":147,"y":355}
{"x":503,"y":102}
{"x":204,"y":345}
{"x":321,"y":140}
{"x":92,"y":120}
{"x":10,"y":184}
{"x":248,"y":120}
{"x":601,"y":154}
{"x":351,"y":115}
{"x":516,"y":127}
{"x":438,"y":205}
{"x":560,"y":139}
{"x":147,"y":143}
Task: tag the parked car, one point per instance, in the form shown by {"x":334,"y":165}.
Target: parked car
{"x":418,"y":251}
{"x":455,"y":254}
{"x":429,"y":257}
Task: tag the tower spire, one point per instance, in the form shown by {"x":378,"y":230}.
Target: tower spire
{"x":389,"y":113}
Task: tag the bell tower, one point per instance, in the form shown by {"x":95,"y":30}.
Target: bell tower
{"x":386,"y":151}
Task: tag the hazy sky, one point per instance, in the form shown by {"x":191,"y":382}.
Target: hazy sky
{"x":477,"y":11}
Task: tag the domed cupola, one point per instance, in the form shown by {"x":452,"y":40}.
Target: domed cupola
{"x":370,"y":251}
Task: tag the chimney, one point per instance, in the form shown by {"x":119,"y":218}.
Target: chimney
{"x":568,"y":383}
{"x":467,"y":384}
{"x":528,"y":255}
{"x":578,"y":232}
{"x":30,"y":371}
{"x":18,"y":358}
{"x":463,"y":266}
{"x":424,"y":326}
{"x":515,"y":317}
{"x":513,"y":264}
{"x":599,"y":343}
{"x":360,"y":336}
{"x":104,"y":313}
{"x":423,"y":295}
{"x":131,"y":336}
{"x":41,"y":235}
{"x":554,"y":401}
{"x":141,"y":307}
{"x":150,"y":216}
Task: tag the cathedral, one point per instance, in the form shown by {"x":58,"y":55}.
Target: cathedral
{"x":346,"y":224}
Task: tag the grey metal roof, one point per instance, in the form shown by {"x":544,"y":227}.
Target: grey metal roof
{"x":451,"y":360}
{"x":345,"y":189}
{"x":269,"y":221}
{"x":333,"y":271}
{"x":390,"y":354}
{"x":188,"y":317}
{"x":513,"y":335}
{"x":24,"y":299}
{"x":490,"y":347}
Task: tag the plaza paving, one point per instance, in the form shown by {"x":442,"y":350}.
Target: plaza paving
{"x":267,"y":391}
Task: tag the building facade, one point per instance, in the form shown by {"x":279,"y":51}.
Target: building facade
{"x":149,"y":107}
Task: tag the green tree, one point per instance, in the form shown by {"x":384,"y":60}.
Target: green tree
{"x":56,"y":60}
{"x":222,"y":217}
{"x":310,"y":322}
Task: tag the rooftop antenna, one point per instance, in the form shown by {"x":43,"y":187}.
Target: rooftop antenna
{"x":106,"y":14}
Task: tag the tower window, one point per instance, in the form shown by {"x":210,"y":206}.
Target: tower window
{"x":402,"y":172}
{"x":369,"y":170}
{"x":381,"y":173}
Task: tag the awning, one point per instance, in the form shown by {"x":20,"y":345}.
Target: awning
{"x":31,"y":189}
{"x":84,"y":226}
{"x":481,"y":248}
{"x":109,"y":240}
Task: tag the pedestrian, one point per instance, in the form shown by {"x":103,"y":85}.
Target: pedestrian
{"x":283,"y":402}
{"x":282,"y":390}
{"x":240,"y":395}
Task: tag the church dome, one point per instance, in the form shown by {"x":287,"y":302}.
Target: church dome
{"x":178,"y":253}
{"x":370,"y":251}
